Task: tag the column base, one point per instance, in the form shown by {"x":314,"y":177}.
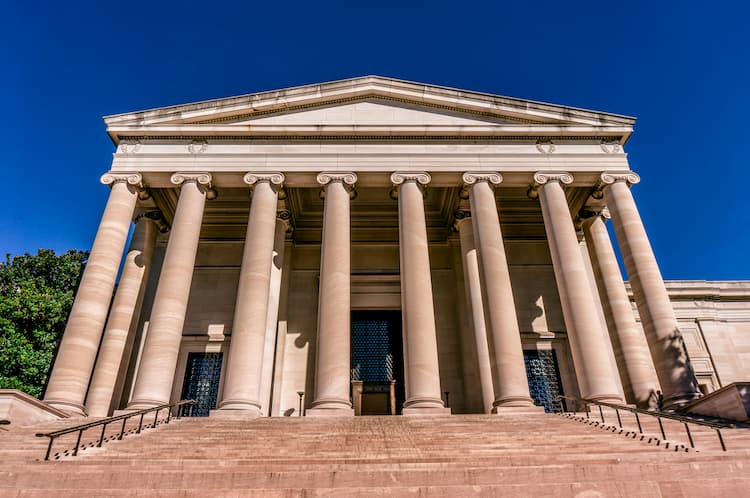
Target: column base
{"x":143,"y":404}
{"x":428,"y":411}
{"x":72,"y":409}
{"x":234,"y":414}
{"x":517,"y":410}
{"x":329,"y":412}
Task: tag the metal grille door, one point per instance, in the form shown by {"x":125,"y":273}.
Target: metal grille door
{"x":544,"y":378}
{"x":202,"y":377}
{"x":372,"y":360}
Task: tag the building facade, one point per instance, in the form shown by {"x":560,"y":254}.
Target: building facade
{"x":376,"y":246}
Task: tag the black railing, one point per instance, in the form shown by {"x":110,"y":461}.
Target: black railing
{"x":181,"y":406}
{"x":659,"y":415}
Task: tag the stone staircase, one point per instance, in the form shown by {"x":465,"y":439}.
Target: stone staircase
{"x":462,"y":455}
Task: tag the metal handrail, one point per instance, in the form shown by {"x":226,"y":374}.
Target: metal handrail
{"x":658,"y":414}
{"x":106,"y":421}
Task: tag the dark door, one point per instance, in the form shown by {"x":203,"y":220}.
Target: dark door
{"x":544,"y":378}
{"x":201,"y":383}
{"x":378,"y":359}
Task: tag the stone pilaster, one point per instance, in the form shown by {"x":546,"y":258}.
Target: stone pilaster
{"x":332,"y":368}
{"x":244,"y":369}
{"x":422,"y":377}
{"x":665,"y":341}
{"x":510,"y":382}
{"x":156,"y":371}
{"x":473,"y":288}
{"x":594,"y":371}
{"x":70,"y":376}
{"x":629,"y":342}
{"x":118,"y":335}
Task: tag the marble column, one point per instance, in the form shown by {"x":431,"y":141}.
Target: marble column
{"x":473,"y":288}
{"x":156,"y":371}
{"x":274,"y":299}
{"x":244,"y":369}
{"x":119,"y":332}
{"x":75,"y":359}
{"x":673,"y":367}
{"x":333,"y":352}
{"x":596,"y":375}
{"x":421,"y":373}
{"x":510,"y":382}
{"x":631,"y":348}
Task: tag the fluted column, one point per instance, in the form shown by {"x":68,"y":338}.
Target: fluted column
{"x":597,"y":378}
{"x":473,"y":288}
{"x":665,"y":341}
{"x":511,"y":384}
{"x":156,"y":371}
{"x":333,"y":363}
{"x":75,"y":359}
{"x":631,"y":348}
{"x":422,"y":376}
{"x":125,"y":308}
{"x":244,"y":369}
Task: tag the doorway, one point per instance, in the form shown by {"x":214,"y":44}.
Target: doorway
{"x":377,"y":370}
{"x":544,"y":378}
{"x":202,"y":376}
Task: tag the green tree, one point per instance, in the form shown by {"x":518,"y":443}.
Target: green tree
{"x":36,"y":294}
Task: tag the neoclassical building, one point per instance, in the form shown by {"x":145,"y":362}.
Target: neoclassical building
{"x":377,"y":246}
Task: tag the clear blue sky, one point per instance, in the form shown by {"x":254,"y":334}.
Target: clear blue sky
{"x":682,"y":70}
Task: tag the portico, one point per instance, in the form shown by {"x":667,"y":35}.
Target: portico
{"x":477,"y":217}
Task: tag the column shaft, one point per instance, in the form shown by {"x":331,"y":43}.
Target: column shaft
{"x":332,"y":368}
{"x":511,"y":384}
{"x":118,"y":334}
{"x":417,"y":309}
{"x":668,"y":351}
{"x":631,"y":348}
{"x":595,"y":373}
{"x":245,"y":364}
{"x":75,"y":359}
{"x":156,"y":371}
{"x":473,"y":288}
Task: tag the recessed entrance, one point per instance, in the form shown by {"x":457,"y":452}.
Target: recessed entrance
{"x":202,"y":376}
{"x":544,"y":378}
{"x":377,"y":362}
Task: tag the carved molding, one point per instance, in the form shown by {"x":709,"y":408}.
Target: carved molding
{"x":471,"y":177}
{"x":608,"y":177}
{"x":272,"y":178}
{"x":197,"y":146}
{"x":129,"y":146}
{"x":131,"y":178}
{"x":181,"y":177}
{"x":541,"y":179}
{"x":398,"y":177}
{"x":326,"y":177}
{"x":546,"y":146}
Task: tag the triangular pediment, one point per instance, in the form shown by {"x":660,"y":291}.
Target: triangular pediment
{"x":365,"y":105}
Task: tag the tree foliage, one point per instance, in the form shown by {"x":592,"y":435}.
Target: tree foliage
{"x":36,"y":294}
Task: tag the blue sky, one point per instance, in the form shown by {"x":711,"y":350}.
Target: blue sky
{"x":682,"y":70}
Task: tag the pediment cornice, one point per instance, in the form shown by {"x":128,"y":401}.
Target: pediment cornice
{"x":495,"y":115}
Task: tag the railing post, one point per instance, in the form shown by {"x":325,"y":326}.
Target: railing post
{"x":690,"y":436}
{"x":140,"y":423}
{"x":78,"y":442}
{"x":101,"y":436}
{"x":156,"y":418}
{"x":601,"y":413}
{"x":619,"y":420}
{"x":661,"y":427}
{"x":721,"y":440}
{"x":122,"y":429}
{"x":169,"y":414}
{"x":638,"y":421}
{"x":586,"y":409}
{"x":49,"y":448}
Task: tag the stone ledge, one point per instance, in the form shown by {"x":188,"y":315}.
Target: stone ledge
{"x":23,"y":409}
{"x":730,"y":402}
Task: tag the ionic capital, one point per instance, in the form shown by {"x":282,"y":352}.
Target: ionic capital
{"x":129,"y":178}
{"x":461,"y":216}
{"x":155,"y":216}
{"x":200,"y":178}
{"x":272,"y":178}
{"x":471,"y":177}
{"x":284,"y":216}
{"x":326,"y":177}
{"x":543,"y":178}
{"x":421,"y":178}
{"x":608,"y":177}
{"x":590,"y":214}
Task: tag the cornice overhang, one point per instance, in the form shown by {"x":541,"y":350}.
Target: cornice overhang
{"x":545,"y":119}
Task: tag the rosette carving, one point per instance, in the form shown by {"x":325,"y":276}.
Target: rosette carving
{"x":327,"y":177}
{"x":200,"y":178}
{"x":471,"y":177}
{"x":422,"y":178}
{"x":608,"y":178}
{"x":545,"y":146}
{"x":197,"y":146}
{"x":129,"y":146}
{"x":272,"y":178}
{"x":611,"y":147}
{"x":130,"y":178}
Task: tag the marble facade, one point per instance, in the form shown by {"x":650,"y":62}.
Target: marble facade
{"x":261,"y":222}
